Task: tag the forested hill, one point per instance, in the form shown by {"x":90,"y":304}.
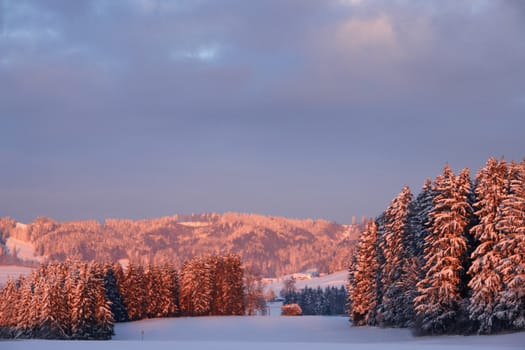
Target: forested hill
{"x":269,"y":245}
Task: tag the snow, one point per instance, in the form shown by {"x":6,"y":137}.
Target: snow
{"x":124,"y":263}
{"x":24,"y":250}
{"x":336,"y":279}
{"x":194,"y":223}
{"x":259,"y":332}
{"x":21,"y":226}
{"x":13,"y":271}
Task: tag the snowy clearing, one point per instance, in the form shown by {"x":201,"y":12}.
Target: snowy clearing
{"x":303,"y":332}
{"x":195,"y":223}
{"x":24,"y":250}
{"x":335,"y":279}
{"x":12,"y":271}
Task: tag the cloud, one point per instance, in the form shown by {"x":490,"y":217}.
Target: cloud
{"x":204,"y":53}
{"x":271,"y":50}
{"x":363,"y":34}
{"x":351,"y":2}
{"x":313,"y":87}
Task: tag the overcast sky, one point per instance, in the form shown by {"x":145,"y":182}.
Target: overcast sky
{"x":320,"y":109}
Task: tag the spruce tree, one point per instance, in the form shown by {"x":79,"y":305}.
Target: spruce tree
{"x":169,"y":291}
{"x":393,"y":309}
{"x":38,"y":302}
{"x":118,"y":308}
{"x":26,"y":313}
{"x":364,"y":292}
{"x":153,"y":284}
{"x":351,"y":285}
{"x":321,"y":301}
{"x":134,"y":292}
{"x":232,"y":288}
{"x":82,"y":308}
{"x":439,"y":300}
{"x":339,"y":307}
{"x":103,"y":320}
{"x":186,"y":288}
{"x":420,"y":221}
{"x":486,"y":282}
{"x":70,"y":285}
{"x":510,"y":304}
{"x":197,"y":286}
{"x":54,"y":319}
{"x":9,"y":300}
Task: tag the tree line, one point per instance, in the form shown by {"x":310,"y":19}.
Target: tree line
{"x":451,"y":260}
{"x":77,"y":300}
{"x":328,"y":301}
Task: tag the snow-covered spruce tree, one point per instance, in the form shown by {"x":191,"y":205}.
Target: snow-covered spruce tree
{"x":153,"y":283}
{"x":9,"y":299}
{"x":55,"y":313}
{"x":413,"y":244}
{"x":439,"y":300}
{"x":394,"y":309}
{"x":82,"y":307}
{"x":351,"y":285}
{"x":169,"y":291}
{"x":510,"y":305}
{"x":486,"y":283}
{"x":409,"y":279}
{"x":118,"y":308}
{"x":91,"y":316}
{"x":26,"y":314}
{"x":186,"y":288}
{"x":204,"y":283}
{"x":63,"y":294}
{"x":380,"y":223}
{"x":217,"y":268}
{"x":336,"y":300}
{"x":321,"y":306}
{"x":70,"y":285}
{"x":307,"y":297}
{"x":134,"y":292}
{"x":196,"y":287}
{"x":420,"y":221}
{"x":103,"y":327}
{"x":292,"y":297}
{"x":36,"y":313}
{"x":231,"y":288}
{"x":364,"y":291}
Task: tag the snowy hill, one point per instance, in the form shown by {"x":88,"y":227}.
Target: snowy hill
{"x":23,"y":250}
{"x":258,"y":332}
{"x":336,"y":279}
{"x":271,"y":246}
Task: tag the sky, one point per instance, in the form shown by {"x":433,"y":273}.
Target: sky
{"x":304,"y":109}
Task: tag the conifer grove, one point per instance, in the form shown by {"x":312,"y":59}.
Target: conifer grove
{"x":450,"y":261}
{"x":76,"y":300}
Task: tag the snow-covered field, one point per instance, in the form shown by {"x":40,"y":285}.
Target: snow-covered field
{"x":24,"y":250}
{"x":12,"y":271}
{"x":195,"y":223}
{"x":259,"y":332}
{"x":336,"y":279}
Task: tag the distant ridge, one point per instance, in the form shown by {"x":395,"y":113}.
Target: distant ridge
{"x":268,"y":245}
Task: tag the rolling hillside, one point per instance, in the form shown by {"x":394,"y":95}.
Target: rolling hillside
{"x":271,"y":246}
